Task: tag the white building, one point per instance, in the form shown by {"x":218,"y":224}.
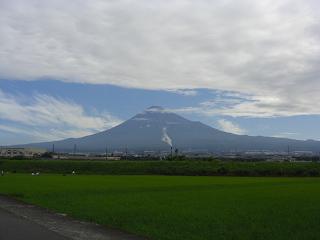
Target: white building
{"x":21,"y":152}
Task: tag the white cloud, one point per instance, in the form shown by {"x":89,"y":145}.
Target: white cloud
{"x":49,"y":118}
{"x":231,"y":127}
{"x":13,"y":129}
{"x":184,"y":92}
{"x":287,"y":135}
{"x":255,"y":106}
{"x":140,"y":119}
{"x":268,"y":48}
{"x":38,"y":134}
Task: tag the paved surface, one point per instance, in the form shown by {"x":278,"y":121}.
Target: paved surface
{"x":13,"y":227}
{"x":19,"y":220}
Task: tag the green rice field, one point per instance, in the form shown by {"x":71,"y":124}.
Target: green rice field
{"x":180,"y":207}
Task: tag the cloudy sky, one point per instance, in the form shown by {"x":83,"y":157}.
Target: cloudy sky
{"x":72,"y":68}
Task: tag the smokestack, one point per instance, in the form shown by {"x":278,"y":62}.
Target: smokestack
{"x":165,"y":138}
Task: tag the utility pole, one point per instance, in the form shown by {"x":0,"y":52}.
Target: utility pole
{"x":106,"y":152}
{"x":74,"y":149}
{"x":52,"y":148}
{"x":126,"y":152}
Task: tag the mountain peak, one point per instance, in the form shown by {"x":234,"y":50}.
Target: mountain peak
{"x":160,"y":115}
{"x":155,"y":109}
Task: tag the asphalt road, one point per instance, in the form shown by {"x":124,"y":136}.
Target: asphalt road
{"x":23,"y":221}
{"x":13,"y":227}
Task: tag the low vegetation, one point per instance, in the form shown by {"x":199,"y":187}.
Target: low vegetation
{"x":180,"y":207}
{"x":189,"y":168}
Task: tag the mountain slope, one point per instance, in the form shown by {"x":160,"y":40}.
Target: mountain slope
{"x":155,"y":128}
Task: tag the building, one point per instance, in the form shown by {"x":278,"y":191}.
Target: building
{"x":21,"y":152}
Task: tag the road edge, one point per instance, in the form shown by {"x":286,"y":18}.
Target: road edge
{"x":61,"y":223}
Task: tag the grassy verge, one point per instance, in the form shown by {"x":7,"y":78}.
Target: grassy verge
{"x":181,"y":207}
{"x":189,"y":168}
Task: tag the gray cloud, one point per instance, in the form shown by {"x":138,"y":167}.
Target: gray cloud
{"x":268,"y":49}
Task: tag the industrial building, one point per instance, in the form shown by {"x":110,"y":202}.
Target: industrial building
{"x":21,"y":152}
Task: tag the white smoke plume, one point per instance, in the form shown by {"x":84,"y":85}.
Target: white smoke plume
{"x":165,"y":137}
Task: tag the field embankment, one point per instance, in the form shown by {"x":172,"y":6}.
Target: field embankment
{"x":187,"y":168}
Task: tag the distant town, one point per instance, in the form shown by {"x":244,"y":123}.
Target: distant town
{"x":126,"y":154}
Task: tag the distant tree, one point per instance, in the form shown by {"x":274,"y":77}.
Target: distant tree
{"x":47,"y":155}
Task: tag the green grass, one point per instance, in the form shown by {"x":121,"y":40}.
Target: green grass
{"x":189,"y":168}
{"x":181,"y":207}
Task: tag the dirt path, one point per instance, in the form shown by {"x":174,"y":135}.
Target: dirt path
{"x":35,"y":220}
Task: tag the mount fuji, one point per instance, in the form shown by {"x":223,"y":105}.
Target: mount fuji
{"x":158,"y":129}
